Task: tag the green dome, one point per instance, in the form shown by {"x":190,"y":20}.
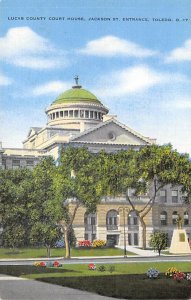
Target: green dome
{"x":76,"y":94}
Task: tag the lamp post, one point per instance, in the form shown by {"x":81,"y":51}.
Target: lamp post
{"x":124,"y":210}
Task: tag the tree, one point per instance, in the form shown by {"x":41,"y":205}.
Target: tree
{"x":77,"y":184}
{"x":45,"y":213}
{"x":158,"y":241}
{"x":146,"y":172}
{"x":15,"y":189}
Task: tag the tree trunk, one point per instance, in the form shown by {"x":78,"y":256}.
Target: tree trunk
{"x":67,"y":244}
{"x":48,"y":249}
{"x":143,"y":232}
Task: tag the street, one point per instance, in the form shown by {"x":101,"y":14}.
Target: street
{"x":111,"y":260}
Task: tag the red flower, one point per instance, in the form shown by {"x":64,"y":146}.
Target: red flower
{"x":56,"y":263}
{"x":178,"y":276}
{"x":42,"y":264}
{"x":91,"y":266}
{"x":85,"y":243}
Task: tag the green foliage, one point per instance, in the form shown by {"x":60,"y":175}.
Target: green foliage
{"x":102,"y":268}
{"x":111,"y":268}
{"x":45,"y":211}
{"x":158,"y":241}
{"x":15,"y":191}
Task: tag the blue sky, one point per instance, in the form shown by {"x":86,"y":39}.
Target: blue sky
{"x":141,"y":70}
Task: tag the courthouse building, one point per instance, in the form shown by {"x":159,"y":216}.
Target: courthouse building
{"x":78,"y":118}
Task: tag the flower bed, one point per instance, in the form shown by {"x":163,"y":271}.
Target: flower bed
{"x":98,"y":243}
{"x":48,"y":264}
{"x":84,"y":244}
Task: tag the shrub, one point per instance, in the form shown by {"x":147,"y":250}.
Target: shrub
{"x":188,"y":277}
{"x":59,"y":244}
{"x":102,"y":268}
{"x":84,"y":243}
{"x":179,"y":276}
{"x":111,"y":269}
{"x":152,"y":273}
{"x":171,"y":271}
{"x":98,"y":243}
{"x":92,"y":267}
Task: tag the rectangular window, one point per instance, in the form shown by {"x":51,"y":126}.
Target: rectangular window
{"x":163,"y":196}
{"x":175,"y":196}
{"x":71,"y":113}
{"x":16,"y":163}
{"x":3,"y":163}
{"x":57,"y":114}
{"x":30,"y":162}
{"x":163,"y":221}
{"x":186,"y":222}
{"x":129,"y":239}
{"x":86,"y":114}
{"x":81,"y":113}
{"x":93,"y":220}
{"x":136,"y":239}
{"x":93,"y":237}
{"x":95,"y":114}
{"x":61,"y":114}
{"x":86,"y":236}
{"x":66,"y":113}
{"x":91,"y":114}
{"x":76,"y":115}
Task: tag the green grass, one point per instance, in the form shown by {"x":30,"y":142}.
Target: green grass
{"x":57,"y":252}
{"x":82,"y":269}
{"x":128,"y":281}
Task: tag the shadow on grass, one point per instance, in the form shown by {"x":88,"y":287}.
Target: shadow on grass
{"x":26,"y":270}
{"x":127,"y":286}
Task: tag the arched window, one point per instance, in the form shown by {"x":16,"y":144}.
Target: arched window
{"x":112,"y":220}
{"x":133,"y":218}
{"x":174,"y":217}
{"x":186,"y":218}
{"x":163,"y":218}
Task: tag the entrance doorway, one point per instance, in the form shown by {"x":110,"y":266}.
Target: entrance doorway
{"x":112,"y":240}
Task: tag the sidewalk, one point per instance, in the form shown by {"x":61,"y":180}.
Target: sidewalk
{"x":140,"y":252}
{"x":21,"y":289}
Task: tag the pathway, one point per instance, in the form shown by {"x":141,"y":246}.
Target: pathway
{"x":15,"y":288}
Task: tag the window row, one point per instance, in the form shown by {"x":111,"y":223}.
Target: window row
{"x":112,"y":220}
{"x":17,"y":163}
{"x":173,"y":218}
{"x":174,"y":196}
{"x":87,"y":114}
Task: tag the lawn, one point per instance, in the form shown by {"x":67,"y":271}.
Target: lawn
{"x":128,"y":281}
{"x":58,"y":252}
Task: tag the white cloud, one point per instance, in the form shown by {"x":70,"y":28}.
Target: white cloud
{"x":114,"y":46}
{"x":131,"y":80}
{"x":180,"y":54}
{"x":37,"y":63}
{"x":4,"y":80}
{"x":181,"y":102}
{"x":51,"y":88}
{"x":23,"y":47}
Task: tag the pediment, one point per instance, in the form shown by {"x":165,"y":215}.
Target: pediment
{"x":112,"y":132}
